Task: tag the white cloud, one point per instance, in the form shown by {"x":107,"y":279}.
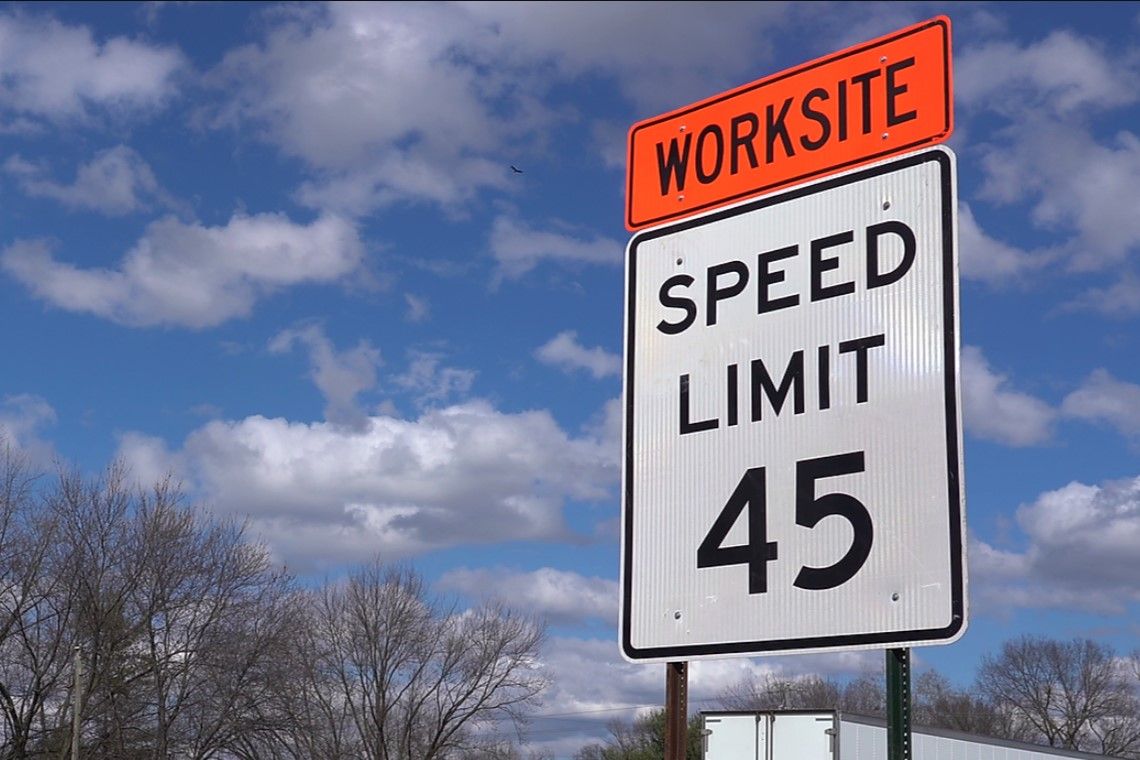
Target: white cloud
{"x":606,"y":425}
{"x":432,"y":102}
{"x":402,"y":174}
{"x":1078,"y":186}
{"x":149,"y":458}
{"x":564,"y":351}
{"x":990,"y":565}
{"x":115,"y":182}
{"x":54,"y":71}
{"x":458,"y":475}
{"x":557,"y":595}
{"x":1084,"y":188}
{"x":610,"y":142}
{"x":1081,"y":552}
{"x":992,"y":411}
{"x":150,"y":10}
{"x":191,"y":275}
{"x":1062,"y":73}
{"x":383,"y":99}
{"x":431,"y":383}
{"x":419,"y":308}
{"x":22,"y":416}
{"x":1104,"y":399}
{"x":339,"y":375}
{"x":1120,"y":300}
{"x":386,"y":65}
{"x":518,"y":248}
{"x":983,"y":258}
{"x":660,"y":60}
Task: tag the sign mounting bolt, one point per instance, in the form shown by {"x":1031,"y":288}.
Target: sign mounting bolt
{"x":677,"y":615}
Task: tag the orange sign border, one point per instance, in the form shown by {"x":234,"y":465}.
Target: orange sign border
{"x":933,"y":138}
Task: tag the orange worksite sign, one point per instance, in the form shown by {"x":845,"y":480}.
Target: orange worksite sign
{"x":870,"y":101}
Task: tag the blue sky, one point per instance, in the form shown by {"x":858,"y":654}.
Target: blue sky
{"x":280,"y":252}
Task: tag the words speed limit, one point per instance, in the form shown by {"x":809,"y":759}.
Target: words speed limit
{"x":792,"y":475}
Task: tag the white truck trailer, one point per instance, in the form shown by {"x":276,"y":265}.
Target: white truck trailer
{"x":834,"y":735}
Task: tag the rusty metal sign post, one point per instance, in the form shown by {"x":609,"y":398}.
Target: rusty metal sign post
{"x":676,"y":710}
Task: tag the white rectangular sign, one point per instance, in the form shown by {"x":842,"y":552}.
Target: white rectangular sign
{"x":792,"y":478}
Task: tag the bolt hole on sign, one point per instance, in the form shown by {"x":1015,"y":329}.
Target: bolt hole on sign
{"x":792,"y":474}
{"x":868,"y":102}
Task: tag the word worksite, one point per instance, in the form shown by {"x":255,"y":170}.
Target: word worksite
{"x":853,"y":106}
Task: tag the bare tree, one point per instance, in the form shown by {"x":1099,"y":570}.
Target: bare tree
{"x":177,"y":617}
{"x":866,"y":695}
{"x":392,"y":674}
{"x":210,"y":612}
{"x":194,"y":646}
{"x":774,"y":693}
{"x":1069,"y":694}
{"x":863,"y":695}
{"x":939,"y":704}
{"x":34,"y":614}
{"x":506,"y":751}
{"x":96,"y":567}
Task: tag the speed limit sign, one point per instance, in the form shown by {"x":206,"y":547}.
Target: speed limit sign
{"x":792,"y":475}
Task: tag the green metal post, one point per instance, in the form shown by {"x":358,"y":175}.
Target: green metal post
{"x":898,"y":704}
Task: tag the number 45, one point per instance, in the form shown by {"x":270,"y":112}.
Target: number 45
{"x":810,"y":510}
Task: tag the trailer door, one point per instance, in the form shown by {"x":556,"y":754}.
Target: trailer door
{"x":734,"y":737}
{"x":801,"y":736}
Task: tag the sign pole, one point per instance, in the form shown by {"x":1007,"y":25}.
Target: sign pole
{"x":898,"y":704}
{"x":676,"y":710}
